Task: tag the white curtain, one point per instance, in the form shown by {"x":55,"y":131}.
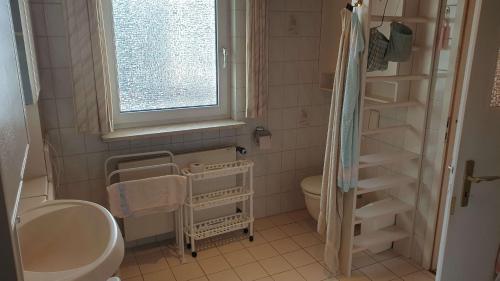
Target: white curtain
{"x":93,"y":111}
{"x":331,"y":208}
{"x":257,"y":40}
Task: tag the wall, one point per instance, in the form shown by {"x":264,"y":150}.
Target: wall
{"x":297,"y":112}
{"x":13,"y":142}
{"x":14,"y":137}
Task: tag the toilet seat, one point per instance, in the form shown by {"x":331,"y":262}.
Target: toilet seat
{"x":312,"y":185}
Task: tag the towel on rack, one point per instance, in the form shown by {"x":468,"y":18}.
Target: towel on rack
{"x":147,"y":196}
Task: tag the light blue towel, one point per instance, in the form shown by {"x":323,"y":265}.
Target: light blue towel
{"x":349,"y":126}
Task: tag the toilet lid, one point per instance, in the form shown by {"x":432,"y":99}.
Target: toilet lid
{"x":312,"y":184}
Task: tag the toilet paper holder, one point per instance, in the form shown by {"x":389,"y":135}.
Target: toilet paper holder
{"x":261,"y":132}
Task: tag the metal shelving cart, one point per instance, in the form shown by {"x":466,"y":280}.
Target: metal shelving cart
{"x":240,"y":195}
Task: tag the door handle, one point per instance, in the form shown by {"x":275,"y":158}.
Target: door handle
{"x":481,"y":179}
{"x":469,"y":179}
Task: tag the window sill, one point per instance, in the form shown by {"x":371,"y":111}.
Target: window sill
{"x":156,"y":131}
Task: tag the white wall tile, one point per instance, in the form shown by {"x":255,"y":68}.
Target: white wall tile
{"x":48,"y":112}
{"x":94,"y":143}
{"x":66,"y":113}
{"x":75,"y":168}
{"x":38,"y":19}
{"x":71,"y":141}
{"x":59,"y":51}
{"x":63,"y":82}
{"x":42,"y":52}
{"x":46,"y":85}
{"x":54,"y":19}
{"x":95,"y":165}
{"x":288,"y":160}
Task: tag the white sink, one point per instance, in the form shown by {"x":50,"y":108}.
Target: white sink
{"x":69,"y":240}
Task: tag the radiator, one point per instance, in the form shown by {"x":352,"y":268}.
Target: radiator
{"x":163,"y":223}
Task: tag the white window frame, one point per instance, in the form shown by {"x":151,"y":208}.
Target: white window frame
{"x":221,"y":111}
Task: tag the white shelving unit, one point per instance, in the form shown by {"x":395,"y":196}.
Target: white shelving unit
{"x":241,"y":194}
{"x":381,"y":212}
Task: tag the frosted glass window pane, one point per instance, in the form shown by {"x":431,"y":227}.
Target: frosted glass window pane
{"x":166,"y":52}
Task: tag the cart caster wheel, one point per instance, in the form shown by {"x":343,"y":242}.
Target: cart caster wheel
{"x":245,"y":230}
{"x":194,"y":254}
{"x":250,"y":238}
{"x":188,"y":245}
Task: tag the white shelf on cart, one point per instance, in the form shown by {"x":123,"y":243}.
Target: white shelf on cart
{"x":219,"y":226}
{"x":220,"y":170}
{"x":219,"y":198}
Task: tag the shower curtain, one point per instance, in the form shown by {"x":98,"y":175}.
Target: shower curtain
{"x":257,"y":41}
{"x":330,"y":216}
{"x":341,"y":155}
{"x":93,"y":112}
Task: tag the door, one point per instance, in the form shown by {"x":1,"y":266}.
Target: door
{"x":471,"y":233}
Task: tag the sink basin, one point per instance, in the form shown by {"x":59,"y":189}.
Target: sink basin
{"x":69,"y":240}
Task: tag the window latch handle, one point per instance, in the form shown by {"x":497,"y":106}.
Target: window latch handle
{"x":224,"y":57}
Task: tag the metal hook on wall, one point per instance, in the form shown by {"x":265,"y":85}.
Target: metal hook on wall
{"x":350,"y":7}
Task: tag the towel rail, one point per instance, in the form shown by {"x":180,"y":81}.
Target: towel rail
{"x":116,"y":172}
{"x":179,"y":216}
{"x":134,"y":155}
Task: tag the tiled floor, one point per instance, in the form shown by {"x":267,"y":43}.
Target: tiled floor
{"x":286,"y":248}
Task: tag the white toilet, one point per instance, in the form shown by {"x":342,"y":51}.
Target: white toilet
{"x":311,"y":187}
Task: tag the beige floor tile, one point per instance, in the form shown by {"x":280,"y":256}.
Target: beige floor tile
{"x":174,"y":260}
{"x":355,"y":276}
{"x":137,"y":278}
{"x":231,"y":247}
{"x":273,"y":234}
{"x":284,"y":246}
{"x":377,"y":272}
{"x":263,"y":251}
{"x":129,"y":268}
{"x":281,"y":219}
{"x":292,"y":229}
{"x":382,"y":256}
{"x":317,"y":252}
{"x":250,"y":272}
{"x":187,"y":271}
{"x":204,"y":278}
{"x":299,"y":215}
{"x":399,"y":266}
{"x":151,"y":262}
{"x":299,"y":258}
{"x":313,"y":272}
{"x":266,"y":279}
{"x":309,"y":223}
{"x":291,"y":275}
{"x":163,"y":275}
{"x":129,"y":256}
{"x":240,"y":257}
{"x":275,"y":265}
{"x":208,"y":253}
{"x":263,"y":224}
{"x":257,"y":240}
{"x":226,"y":275}
{"x":214,"y":264}
{"x":419,"y":276}
{"x":362,"y":259}
{"x":306,"y":239}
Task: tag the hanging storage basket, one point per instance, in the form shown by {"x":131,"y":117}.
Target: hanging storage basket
{"x":400,"y":43}
{"x":377,"y":49}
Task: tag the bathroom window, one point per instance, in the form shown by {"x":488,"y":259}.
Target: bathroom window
{"x":168,"y":60}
